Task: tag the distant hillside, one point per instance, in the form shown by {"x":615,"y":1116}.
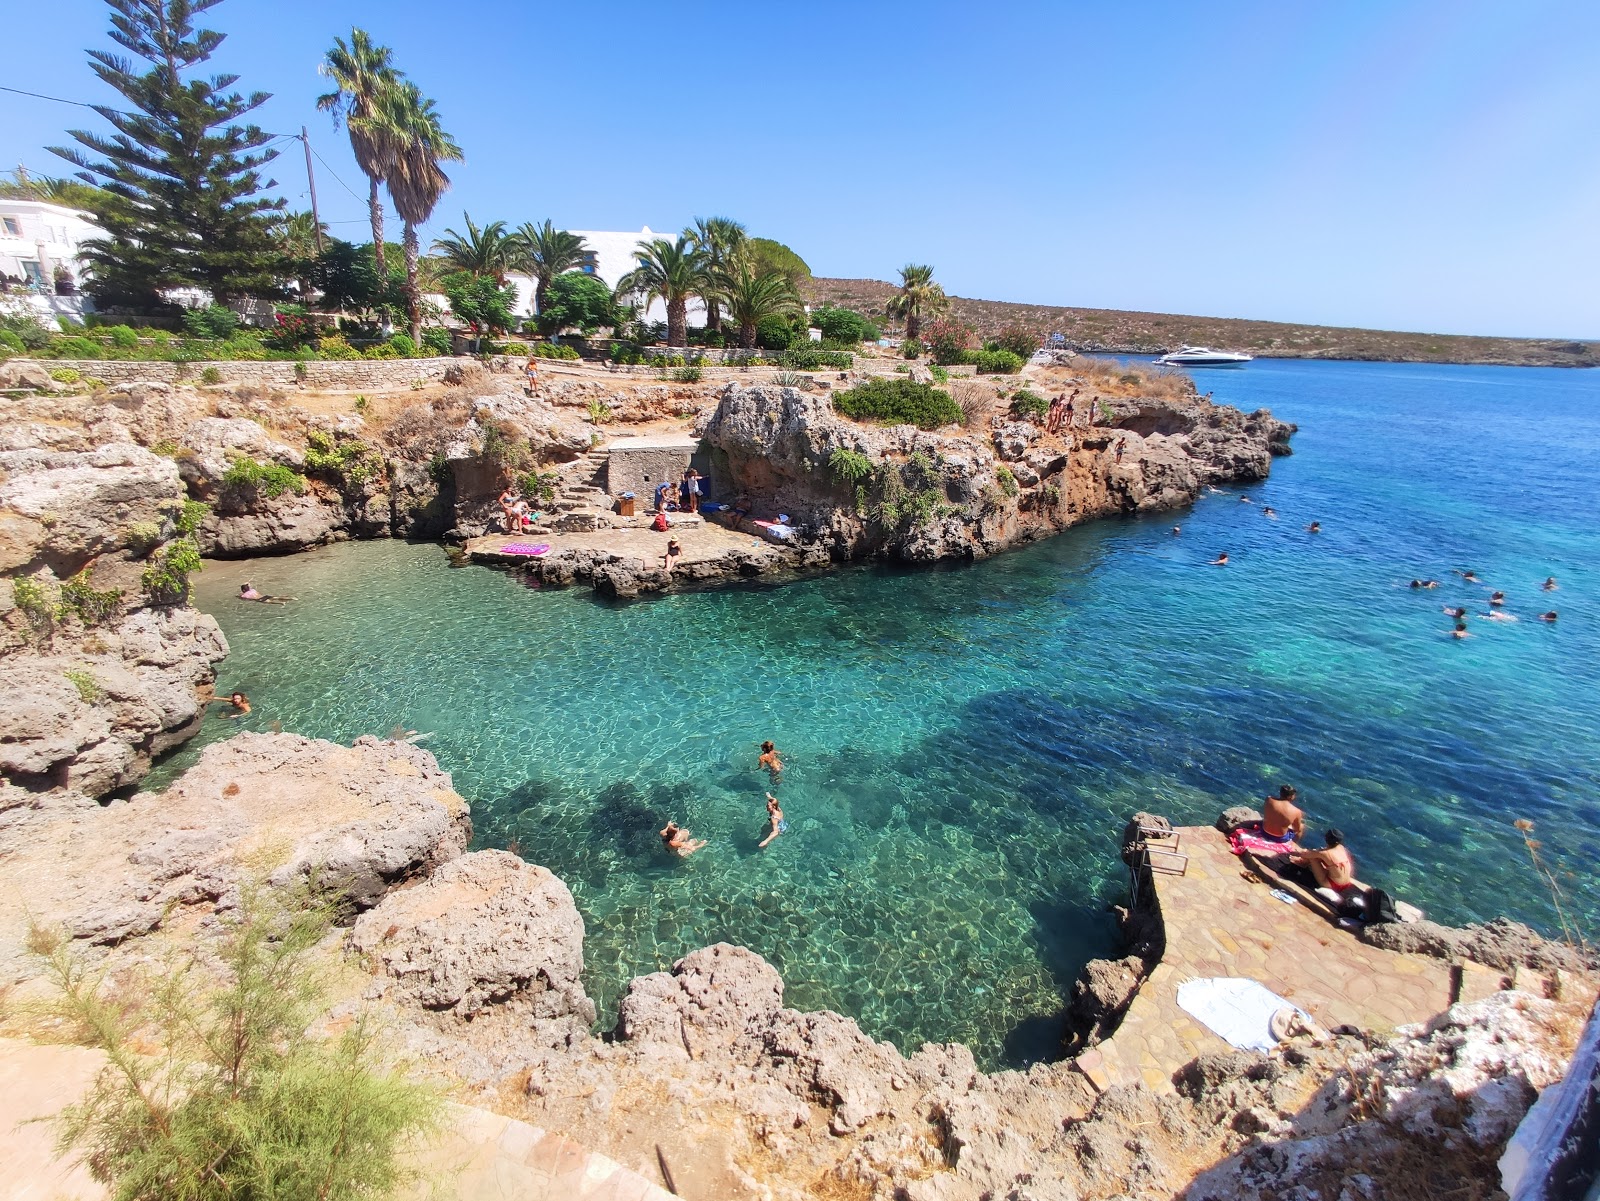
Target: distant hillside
{"x":1156,"y":333}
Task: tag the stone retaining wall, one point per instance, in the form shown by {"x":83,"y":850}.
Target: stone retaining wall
{"x":355,"y":375}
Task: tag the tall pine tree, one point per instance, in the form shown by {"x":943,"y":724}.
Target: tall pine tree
{"x":186,"y":177}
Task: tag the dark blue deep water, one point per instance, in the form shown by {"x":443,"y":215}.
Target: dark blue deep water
{"x":963,"y":744}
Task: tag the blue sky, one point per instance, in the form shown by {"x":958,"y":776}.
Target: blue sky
{"x":1410,"y":164}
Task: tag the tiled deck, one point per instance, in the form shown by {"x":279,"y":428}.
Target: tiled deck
{"x":1219,"y":924}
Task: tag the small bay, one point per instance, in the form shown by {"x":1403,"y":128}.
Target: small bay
{"x":963,"y":743}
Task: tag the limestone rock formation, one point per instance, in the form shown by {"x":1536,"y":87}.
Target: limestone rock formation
{"x":485,"y":929}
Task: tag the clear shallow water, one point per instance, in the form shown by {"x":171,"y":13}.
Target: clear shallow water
{"x":963,"y":744}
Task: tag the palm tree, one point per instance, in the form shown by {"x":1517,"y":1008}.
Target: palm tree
{"x":299,"y":238}
{"x":547,"y":252}
{"x":751,"y":296}
{"x":488,"y":250}
{"x":416,"y":180}
{"x":919,"y":297}
{"x":721,"y":240}
{"x":674,"y":271}
{"x":363,"y":74}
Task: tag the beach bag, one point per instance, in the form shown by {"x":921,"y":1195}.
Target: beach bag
{"x":1381,"y":908}
{"x":660,"y":522}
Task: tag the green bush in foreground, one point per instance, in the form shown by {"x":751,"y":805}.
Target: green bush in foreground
{"x":240,"y":1102}
{"x":849,"y":466}
{"x":899,"y":402}
{"x":1029,"y":406}
{"x":995,"y":362}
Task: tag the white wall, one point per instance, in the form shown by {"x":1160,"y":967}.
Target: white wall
{"x":36,"y":231}
{"x":613,"y":251}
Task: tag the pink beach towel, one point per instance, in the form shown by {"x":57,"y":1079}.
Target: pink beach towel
{"x":524,"y":548}
{"x":1250,"y":840}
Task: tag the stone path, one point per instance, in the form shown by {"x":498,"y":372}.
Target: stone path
{"x":487,"y":1157}
{"x":1218,"y":924}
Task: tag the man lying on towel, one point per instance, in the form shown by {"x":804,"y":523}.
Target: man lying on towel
{"x":1281,"y":823}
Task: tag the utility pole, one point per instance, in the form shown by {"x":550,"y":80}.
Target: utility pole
{"x":316,"y":224}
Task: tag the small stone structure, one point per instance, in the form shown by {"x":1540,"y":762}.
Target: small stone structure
{"x":331,"y":374}
{"x":637,"y":465}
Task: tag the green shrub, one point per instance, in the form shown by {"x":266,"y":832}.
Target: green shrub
{"x":776,"y":333}
{"x":246,"y":1098}
{"x":76,"y":348}
{"x":940,"y":375}
{"x":362,"y":404}
{"x":1008,"y":482}
{"x":242,"y":350}
{"x":843,"y":325}
{"x":849,"y":466}
{"x":301,"y":370}
{"x":404,"y":347}
{"x":188,"y":516}
{"x":334,"y":347}
{"x":807,"y":357}
{"x":92,"y":607}
{"x":547,"y":350}
{"x":10,"y":342}
{"x":215,"y":321}
{"x":26,"y":330}
{"x":436,"y":340}
{"x":599,"y":411}
{"x":687,"y":375}
{"x":66,"y":375}
{"x":165,"y":578}
{"x":166,"y":448}
{"x":1019,"y":340}
{"x":264,"y":479}
{"x":33,"y":602}
{"x":88,"y":687}
{"x":498,"y":447}
{"x":538,"y":485}
{"x":353,"y":462}
{"x":1052,"y":494}
{"x":144,"y":536}
{"x":211,"y":375}
{"x":1029,"y":406}
{"x":1106,"y":415}
{"x":122,"y":335}
{"x":949,"y":340}
{"x":910,"y":493}
{"x":912,"y":348}
{"x":899,"y":401}
{"x":379,"y":350}
{"x":996,"y":362}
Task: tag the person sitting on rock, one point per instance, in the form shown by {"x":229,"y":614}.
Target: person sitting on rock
{"x":1281,"y":819}
{"x":679,"y":842}
{"x":674,"y":554}
{"x":742,"y":508}
{"x":1333,"y":866}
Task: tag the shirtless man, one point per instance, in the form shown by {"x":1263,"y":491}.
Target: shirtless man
{"x":1332,"y":866}
{"x":1281,"y":819}
{"x":769,"y":759}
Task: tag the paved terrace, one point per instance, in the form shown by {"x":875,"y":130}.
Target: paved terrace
{"x":1219,"y":924}
{"x":702,"y":541}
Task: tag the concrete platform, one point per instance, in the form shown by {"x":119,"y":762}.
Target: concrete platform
{"x":1220,"y":924}
{"x":702,"y":542}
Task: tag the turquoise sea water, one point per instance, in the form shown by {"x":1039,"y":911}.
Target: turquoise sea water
{"x":963,"y":743}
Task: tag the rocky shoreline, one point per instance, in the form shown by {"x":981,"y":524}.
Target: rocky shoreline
{"x":474,"y":961}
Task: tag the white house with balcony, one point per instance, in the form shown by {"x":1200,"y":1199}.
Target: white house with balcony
{"x":39,"y":245}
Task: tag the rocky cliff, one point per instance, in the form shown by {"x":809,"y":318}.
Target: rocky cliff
{"x":970,"y":491}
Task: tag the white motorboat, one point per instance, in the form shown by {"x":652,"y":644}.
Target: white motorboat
{"x":1201,"y":356}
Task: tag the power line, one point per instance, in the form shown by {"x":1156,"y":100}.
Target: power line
{"x":42,"y":96}
{"x":335,"y":174}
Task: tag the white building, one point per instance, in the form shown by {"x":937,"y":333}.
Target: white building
{"x":610,"y":256}
{"x":36,"y":239}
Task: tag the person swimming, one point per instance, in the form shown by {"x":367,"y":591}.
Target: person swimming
{"x":769,"y":759}
{"x":1461,"y":630}
{"x":1314,"y":528}
{"x":1497,"y":598}
{"x":247,"y":591}
{"x":1220,"y":561}
{"x":239,"y":701}
{"x":1245,"y":500}
{"x":1456,"y":611}
{"x":1550,"y":616}
{"x":678,"y":841}
{"x":1549,"y":585}
{"x":775,"y":821}
{"x":1269,"y":511}
{"x":1497,"y":615}
{"x":1176,"y":530}
{"x":1469,"y":575}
